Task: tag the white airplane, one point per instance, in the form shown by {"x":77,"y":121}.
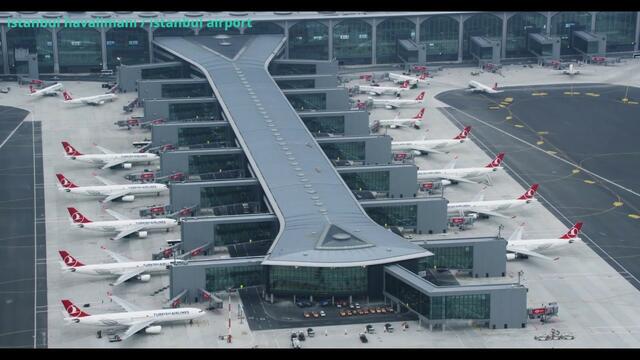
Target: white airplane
{"x":461,"y":175}
{"x":518,"y":248}
{"x":399,"y":78}
{"x":571,"y":71}
{"x":133,"y":319}
{"x":90,"y":100}
{"x":112,"y":191}
{"x":124,"y":268}
{"x":109,"y":159}
{"x":491,"y":207}
{"x":415,"y":121}
{"x":123,"y":226}
{"x":475,"y":86}
{"x":420,"y":147}
{"x":381,"y":90}
{"x":396,"y":103}
{"x":48,"y":91}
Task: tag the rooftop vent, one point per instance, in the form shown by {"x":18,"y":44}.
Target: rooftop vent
{"x":147,"y":15}
{"x":100,"y":15}
{"x":5,"y":15}
{"x":341,"y":236}
{"x":225,"y":43}
{"x":222,"y":36}
{"x":52,"y":15}
{"x":238,"y":13}
{"x":193,"y":14}
{"x":282,"y":12}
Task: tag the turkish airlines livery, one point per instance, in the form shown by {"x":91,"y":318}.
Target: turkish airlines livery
{"x":48,"y":91}
{"x":109,"y":159}
{"x":111,"y":191}
{"x":123,"y":226}
{"x":415,"y":121}
{"x":491,"y":207}
{"x":420,"y":147}
{"x":381,"y":90}
{"x":475,"y":86}
{"x":124,"y":268}
{"x":133,"y":319}
{"x":89,"y":100}
{"x":517,"y":248}
{"x":396,"y":103}
{"x":462,"y":174}
{"x":399,"y":78}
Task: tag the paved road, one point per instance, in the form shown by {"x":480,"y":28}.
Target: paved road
{"x":23,"y":297}
{"x":592,"y":128}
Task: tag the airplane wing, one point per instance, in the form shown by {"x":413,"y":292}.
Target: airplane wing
{"x":104,"y":181}
{"x":126,"y":276}
{"x":117,"y":257}
{"x":112,"y":163}
{"x":135,"y":327}
{"x":116,"y":214}
{"x":426,"y":149}
{"x":488,"y":212}
{"x":460,"y":179}
{"x":116,"y":195}
{"x":127,"y":306}
{"x":531,"y":253}
{"x":104,"y":150}
{"x":517,"y":234}
{"x":128,"y":231}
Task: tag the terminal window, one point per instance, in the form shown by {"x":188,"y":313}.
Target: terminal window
{"x":227,"y":234}
{"x":406,"y":216}
{"x":345,"y":150}
{"x":192,"y":111}
{"x":186,"y":90}
{"x":306,"y":102}
{"x":322,"y":125}
{"x":223,"y":278}
{"x":227,"y":195}
{"x":212,"y":136}
{"x":367,"y":181}
{"x":164,"y":72}
{"x":296,"y":84}
{"x":200,"y":164}
{"x":276,"y":68}
{"x":318,"y":281}
{"x":455,"y":257}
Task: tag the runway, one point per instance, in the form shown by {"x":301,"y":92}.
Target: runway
{"x":23,"y":296}
{"x":579,"y":143}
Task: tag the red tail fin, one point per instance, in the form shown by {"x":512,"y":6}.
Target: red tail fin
{"x":70,"y":150}
{"x":463,"y":134}
{"x":423,"y":76}
{"x":420,"y":97}
{"x":67,"y":96}
{"x":530,"y":193}
{"x":405,"y":84}
{"x":420,"y":114}
{"x":495,"y":86}
{"x":69,"y":260}
{"x":77,"y":217}
{"x":73,"y":310}
{"x":497,"y":161}
{"x":573,"y":232}
{"x":66,"y":183}
{"x":31,"y":89}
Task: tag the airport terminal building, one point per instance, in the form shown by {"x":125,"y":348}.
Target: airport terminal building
{"x":351,"y":38}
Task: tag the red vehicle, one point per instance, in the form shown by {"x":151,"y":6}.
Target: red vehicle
{"x":419,"y":68}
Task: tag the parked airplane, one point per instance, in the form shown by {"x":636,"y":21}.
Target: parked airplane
{"x":381,"y":90}
{"x":48,"y":91}
{"x":518,"y":248}
{"x":133,"y":319}
{"x":399,"y":79}
{"x":123,"y":226}
{"x":419,"y":147}
{"x":571,"y":71}
{"x":462,"y":174}
{"x":491,"y":207}
{"x":90,"y":100}
{"x":109,"y":159}
{"x":415,"y":121}
{"x":112,"y":191}
{"x":475,"y":86}
{"x":396,"y":103}
{"x":124,"y":268}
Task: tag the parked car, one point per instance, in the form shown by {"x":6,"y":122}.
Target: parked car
{"x":324,"y":302}
{"x":322,"y":313}
{"x":352,"y":306}
{"x":363,"y":338}
{"x":370,"y":329}
{"x":343,"y":313}
{"x":307,"y":314}
{"x":294,"y":335}
{"x":315,"y":314}
{"x":383,"y":310}
{"x":357,"y":306}
{"x":388,"y":327}
{"x":310,"y":332}
{"x":301,"y":336}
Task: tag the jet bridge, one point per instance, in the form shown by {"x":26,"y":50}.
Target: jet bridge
{"x":543,"y":47}
{"x":485,"y":50}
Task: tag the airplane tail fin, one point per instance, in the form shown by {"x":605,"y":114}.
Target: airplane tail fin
{"x":420,"y":96}
{"x":463,"y":134}
{"x":497,"y":161}
{"x":405,"y":84}
{"x":67,"y":96}
{"x":73,"y":310}
{"x":423,"y":76}
{"x":529,"y":193}
{"x":573,"y":232}
{"x":419,"y":114}
{"x":66,"y":183}
{"x":70,"y":150}
{"x":77,"y":217}
{"x":69,"y":260}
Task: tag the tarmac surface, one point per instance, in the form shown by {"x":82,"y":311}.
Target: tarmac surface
{"x":22,"y":242}
{"x":591,"y":128}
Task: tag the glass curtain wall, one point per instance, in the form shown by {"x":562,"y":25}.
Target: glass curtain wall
{"x":620,"y":28}
{"x":487,"y":25}
{"x":387,"y":35}
{"x":352,"y":43}
{"x":518,"y":28}
{"x":564,"y":23}
{"x":127,"y":47}
{"x":440,"y":33}
{"x":79,"y":50}
{"x":38,"y":41}
{"x":309,"y":40}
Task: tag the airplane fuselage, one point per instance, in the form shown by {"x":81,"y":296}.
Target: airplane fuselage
{"x":99,"y":159}
{"x":539,"y":244}
{"x":400,"y":122}
{"x":119,"y":225}
{"x":395,"y":102}
{"x":106,"y":190}
{"x":51,"y":90}
{"x":399,"y":79}
{"x":117,"y":269}
{"x":427,"y":144}
{"x":133,"y":317}
{"x":381,"y":89}
{"x":488,"y":205}
{"x":462,"y":172}
{"x":93,"y":100}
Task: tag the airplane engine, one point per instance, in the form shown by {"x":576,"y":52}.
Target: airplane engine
{"x":142,"y":234}
{"x":511,"y":257}
{"x":388,"y":107}
{"x":445,"y":182}
{"x":416,"y":152}
{"x":144,"y":277}
{"x":153,"y":329}
{"x":127,"y":166}
{"x":128,"y":198}
{"x":473,"y":215}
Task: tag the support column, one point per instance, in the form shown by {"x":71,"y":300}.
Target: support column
{"x":330,"y":40}
{"x":374,"y":33}
{"x":635,"y":46}
{"x":286,"y":35}
{"x":593,"y":21}
{"x":5,"y":54}
{"x":460,"y":33}
{"x":150,"y":32}
{"x":417,"y":29}
{"x":503,"y":46}
{"x":103,"y":40}
{"x":549,"y":23}
{"x":56,"y":56}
